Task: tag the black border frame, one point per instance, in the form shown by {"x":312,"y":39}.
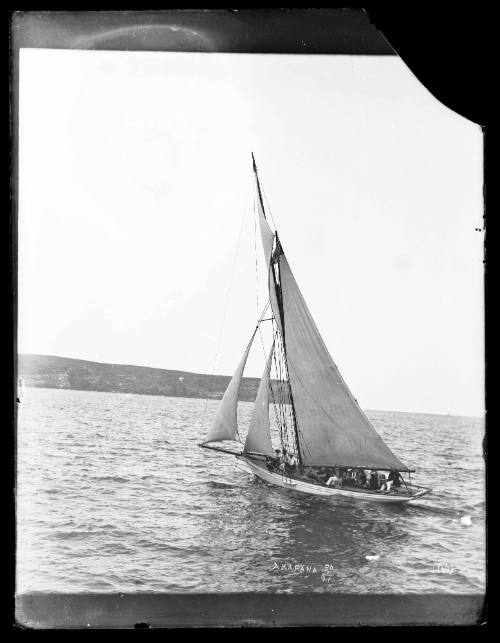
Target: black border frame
{"x":453,"y":42}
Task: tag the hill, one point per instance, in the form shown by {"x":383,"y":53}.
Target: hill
{"x":50,"y":371}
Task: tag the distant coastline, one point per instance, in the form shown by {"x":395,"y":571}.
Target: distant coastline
{"x":50,"y":371}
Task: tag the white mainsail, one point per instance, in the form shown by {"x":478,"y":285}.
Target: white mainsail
{"x":331,"y":428}
{"x":258,"y":439}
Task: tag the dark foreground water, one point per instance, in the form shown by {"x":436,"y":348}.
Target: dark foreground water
{"x":113,"y":495}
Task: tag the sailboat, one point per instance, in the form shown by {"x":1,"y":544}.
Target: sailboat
{"x":328,"y":446}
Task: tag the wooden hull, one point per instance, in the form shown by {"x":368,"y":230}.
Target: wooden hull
{"x":320,"y":490}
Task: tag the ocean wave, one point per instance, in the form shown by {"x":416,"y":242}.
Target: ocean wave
{"x":111,"y":478}
{"x":136,"y":510}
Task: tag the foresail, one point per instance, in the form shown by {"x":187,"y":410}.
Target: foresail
{"x":259,"y":437}
{"x":225,"y":424}
{"x":333,"y":430}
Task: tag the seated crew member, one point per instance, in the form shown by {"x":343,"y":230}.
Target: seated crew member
{"x":388,"y":485}
{"x":395,"y":478}
{"x":334,"y":481}
{"x":290,"y":462}
{"x":357,"y":478}
{"x":385,"y":485}
{"x":285,"y":463}
{"x":374,"y":481}
{"x":278,"y":458}
{"x":350,"y":478}
{"x":323,"y":474}
{"x":270,"y":463}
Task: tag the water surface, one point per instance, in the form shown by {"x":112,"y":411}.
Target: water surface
{"x":114,"y":495}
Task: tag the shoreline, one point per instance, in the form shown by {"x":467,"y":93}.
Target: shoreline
{"x":217,"y":399}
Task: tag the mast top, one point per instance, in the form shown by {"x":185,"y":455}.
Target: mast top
{"x":254,"y":164}
{"x":261,"y":200}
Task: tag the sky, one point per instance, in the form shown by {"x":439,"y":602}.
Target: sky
{"x":137,"y":239}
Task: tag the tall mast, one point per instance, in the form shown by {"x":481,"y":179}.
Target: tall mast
{"x":275,"y":262}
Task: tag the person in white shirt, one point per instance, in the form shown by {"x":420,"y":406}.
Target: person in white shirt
{"x":278,"y":459}
{"x":386,"y":484}
{"x":334,"y":481}
{"x":289,"y":460}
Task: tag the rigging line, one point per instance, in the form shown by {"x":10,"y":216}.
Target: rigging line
{"x":280,"y":391}
{"x":292,"y":415}
{"x":278,"y":408}
{"x":281,"y":388}
{"x":290,"y":410}
{"x":276,"y":368}
{"x":260,"y":331}
{"x":285,"y":434}
{"x":230,"y":285}
{"x":263,"y":347}
{"x":262,"y":343}
{"x":286,"y":396}
{"x":275,"y":330}
{"x":265,"y":358}
{"x":277,"y":280}
{"x":287,"y":420}
{"x":264,"y":311}
{"x":247,"y":347}
{"x":268,"y":208}
{"x":257,"y":328}
{"x":286,"y":438}
{"x":255,"y":248}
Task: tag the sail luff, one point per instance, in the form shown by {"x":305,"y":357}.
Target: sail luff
{"x":225,"y":424}
{"x":258,"y":439}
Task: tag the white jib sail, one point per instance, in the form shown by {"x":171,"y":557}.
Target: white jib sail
{"x":259,"y":436}
{"x":225,"y":424}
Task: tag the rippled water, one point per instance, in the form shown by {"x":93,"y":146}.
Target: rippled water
{"x":114,"y":495}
